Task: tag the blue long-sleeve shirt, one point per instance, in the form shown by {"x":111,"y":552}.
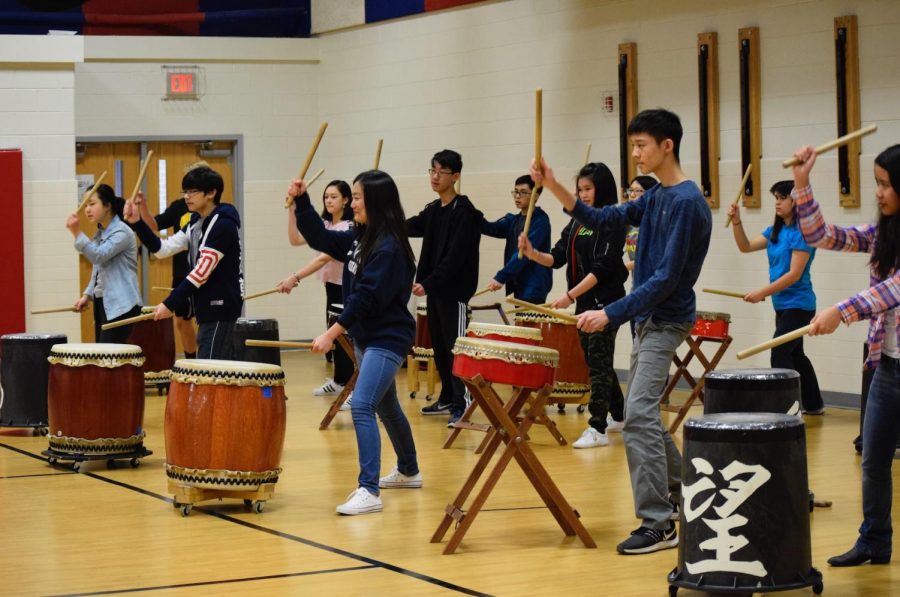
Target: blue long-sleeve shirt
{"x":675,"y":227}
{"x":524,"y":278}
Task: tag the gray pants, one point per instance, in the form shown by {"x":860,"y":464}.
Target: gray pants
{"x":654,"y":461}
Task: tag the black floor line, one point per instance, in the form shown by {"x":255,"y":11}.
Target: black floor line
{"x":335,"y":550}
{"x":36,"y":475}
{"x":216,"y":582}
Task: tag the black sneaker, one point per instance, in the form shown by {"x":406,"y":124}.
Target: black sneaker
{"x":437,"y":408}
{"x":676,"y":513}
{"x":646,"y":540}
{"x":455,"y":416}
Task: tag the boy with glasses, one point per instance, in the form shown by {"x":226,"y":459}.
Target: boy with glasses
{"x":447,"y":273}
{"x":525,"y":279}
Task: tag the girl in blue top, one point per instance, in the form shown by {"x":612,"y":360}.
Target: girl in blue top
{"x":790,"y":287}
{"x":379,"y":267}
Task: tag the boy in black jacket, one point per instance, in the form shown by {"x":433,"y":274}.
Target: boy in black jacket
{"x":215,"y":284}
{"x":450,"y":228}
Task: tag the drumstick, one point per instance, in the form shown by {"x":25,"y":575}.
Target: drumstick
{"x":740,"y":191}
{"x":377,"y":154}
{"x":141,"y":175}
{"x":480,"y":292}
{"x":537,"y":158}
{"x":587,"y":155}
{"x":278,"y":344}
{"x":532,"y":307}
{"x":52,"y":310}
{"x":90,"y":192}
{"x":725,"y":292}
{"x":127,"y":321}
{"x":836,"y":143}
{"x":162,"y":288}
{"x":289,"y":201}
{"x":263,"y":293}
{"x":783,"y":339}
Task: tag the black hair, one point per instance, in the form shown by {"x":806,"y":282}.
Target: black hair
{"x":659,"y":124}
{"x":526,"y":179}
{"x":448,"y":159}
{"x":384,"y":214}
{"x":107,"y":197}
{"x":886,"y":256}
{"x":205,"y":179}
{"x":344,"y":191}
{"x":646,"y":182}
{"x":783,"y":188}
{"x":605,"y":190}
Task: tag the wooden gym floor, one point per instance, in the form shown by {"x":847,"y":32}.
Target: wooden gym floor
{"x":115,"y":531}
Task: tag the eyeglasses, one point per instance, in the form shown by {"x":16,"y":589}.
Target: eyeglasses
{"x":635,"y":191}
{"x":191,"y":191}
{"x":432,"y":172}
{"x":517,"y":193}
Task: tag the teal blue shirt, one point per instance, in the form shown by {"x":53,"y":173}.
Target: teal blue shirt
{"x":798,"y":295}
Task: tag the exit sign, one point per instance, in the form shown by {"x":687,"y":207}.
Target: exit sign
{"x":182,"y":83}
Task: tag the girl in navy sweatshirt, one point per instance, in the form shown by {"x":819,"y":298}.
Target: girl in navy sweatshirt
{"x":379,"y":267}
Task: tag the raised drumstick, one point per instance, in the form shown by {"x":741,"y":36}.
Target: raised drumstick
{"x":377,"y":154}
{"x":836,"y":143}
{"x":141,"y":175}
{"x":288,"y":200}
{"x":127,"y":321}
{"x":538,"y":111}
{"x":740,"y":191}
{"x":587,"y":155}
{"x":90,"y":192}
{"x":540,"y":309}
{"x":162,"y":288}
{"x":480,"y":292}
{"x":277,"y":344}
{"x":783,"y":339}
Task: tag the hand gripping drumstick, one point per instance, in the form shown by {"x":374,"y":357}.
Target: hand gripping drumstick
{"x":90,"y":192}
{"x":480,"y":292}
{"x":278,"y":344}
{"x":836,"y":143}
{"x":540,"y":309}
{"x":53,"y":310}
{"x":740,"y":191}
{"x":537,"y":156}
{"x":262,"y":293}
{"x":289,"y":201}
{"x":377,"y":154}
{"x":129,"y":320}
{"x":783,"y":339}
{"x":724,"y":292}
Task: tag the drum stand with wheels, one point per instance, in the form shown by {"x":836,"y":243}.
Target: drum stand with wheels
{"x":413,"y":362}
{"x":134,"y":457}
{"x":347,"y":344}
{"x":185,"y":496}
{"x":512,"y":431}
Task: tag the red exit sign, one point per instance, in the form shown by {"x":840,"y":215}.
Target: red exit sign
{"x":181,"y":85}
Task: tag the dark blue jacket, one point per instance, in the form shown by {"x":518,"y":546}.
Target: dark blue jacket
{"x":524,"y":279}
{"x":376,"y":293}
{"x":675,"y":227}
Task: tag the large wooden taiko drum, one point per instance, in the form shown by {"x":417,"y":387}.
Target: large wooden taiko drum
{"x":95,"y":399}
{"x":504,"y":333}
{"x":572,"y":377}
{"x":157,"y":340}
{"x":508,"y":363}
{"x":225,"y":424}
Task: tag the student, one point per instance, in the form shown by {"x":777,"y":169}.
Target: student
{"x":595,"y":275}
{"x":214,"y":286}
{"x":377,"y":279}
{"x":675,"y":223}
{"x":878,"y":304}
{"x":790,"y":287}
{"x":113,"y":255}
{"x":450,"y":228}
{"x":336,"y":215}
{"x":524,"y":279}
{"x":638,"y":185}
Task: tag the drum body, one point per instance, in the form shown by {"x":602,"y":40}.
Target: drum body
{"x":505,"y":362}
{"x":24,"y":370}
{"x":711,"y":325}
{"x":504,"y":333}
{"x":95,"y":399}
{"x":256,"y":329}
{"x":744,"y":515}
{"x":572,"y":377}
{"x":752,"y":390}
{"x":422,"y":347}
{"x":157,"y":340}
{"x":225,"y":424}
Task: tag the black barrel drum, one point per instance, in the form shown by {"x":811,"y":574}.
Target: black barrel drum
{"x":23,"y":378}
{"x":256,"y":329}
{"x":751,"y":391}
{"x":744,"y":518}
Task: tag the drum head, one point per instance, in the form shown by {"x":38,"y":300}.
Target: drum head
{"x":101,"y":355}
{"x":237,"y":373}
{"x":477,"y":329}
{"x":510,"y":352}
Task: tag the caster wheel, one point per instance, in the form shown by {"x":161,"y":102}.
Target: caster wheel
{"x":580,"y":408}
{"x":135,"y":462}
{"x":185,"y":509}
{"x":175,"y":504}
{"x":51,"y":461}
{"x":40,"y":431}
{"x":110,"y":464}
{"x":561,"y":408}
{"x":818,"y":588}
{"x":258,"y":506}
{"x":76,"y":467}
{"x":248,"y":504}
{"x":412,"y":394}
{"x":428,"y":398}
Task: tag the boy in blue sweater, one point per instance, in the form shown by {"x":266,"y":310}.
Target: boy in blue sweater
{"x":675,"y":223}
{"x":525,"y":279}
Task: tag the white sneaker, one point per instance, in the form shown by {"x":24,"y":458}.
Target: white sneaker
{"x":613,"y":425}
{"x":591,"y":438}
{"x":360,"y":502}
{"x":329,"y":388}
{"x":395,"y":480}
{"x":347,"y":404}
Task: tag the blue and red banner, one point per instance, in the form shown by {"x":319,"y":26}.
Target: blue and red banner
{"x":382,"y":10}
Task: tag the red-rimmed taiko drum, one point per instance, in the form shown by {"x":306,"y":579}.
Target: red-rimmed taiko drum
{"x":225,"y":424}
{"x":95,"y":399}
{"x":710,"y":324}
{"x":157,"y":340}
{"x":572,"y":377}
{"x":508,"y":363}
{"x":504,"y":333}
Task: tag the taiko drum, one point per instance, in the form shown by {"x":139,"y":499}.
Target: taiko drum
{"x":504,"y":333}
{"x":508,"y":363}
{"x":157,"y":340}
{"x":572,"y":377}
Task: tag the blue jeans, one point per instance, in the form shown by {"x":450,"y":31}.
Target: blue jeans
{"x":376,"y":392}
{"x":880,"y":430}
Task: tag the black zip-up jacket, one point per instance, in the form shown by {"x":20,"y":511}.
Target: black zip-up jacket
{"x":448,"y":263}
{"x":584,"y":251}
